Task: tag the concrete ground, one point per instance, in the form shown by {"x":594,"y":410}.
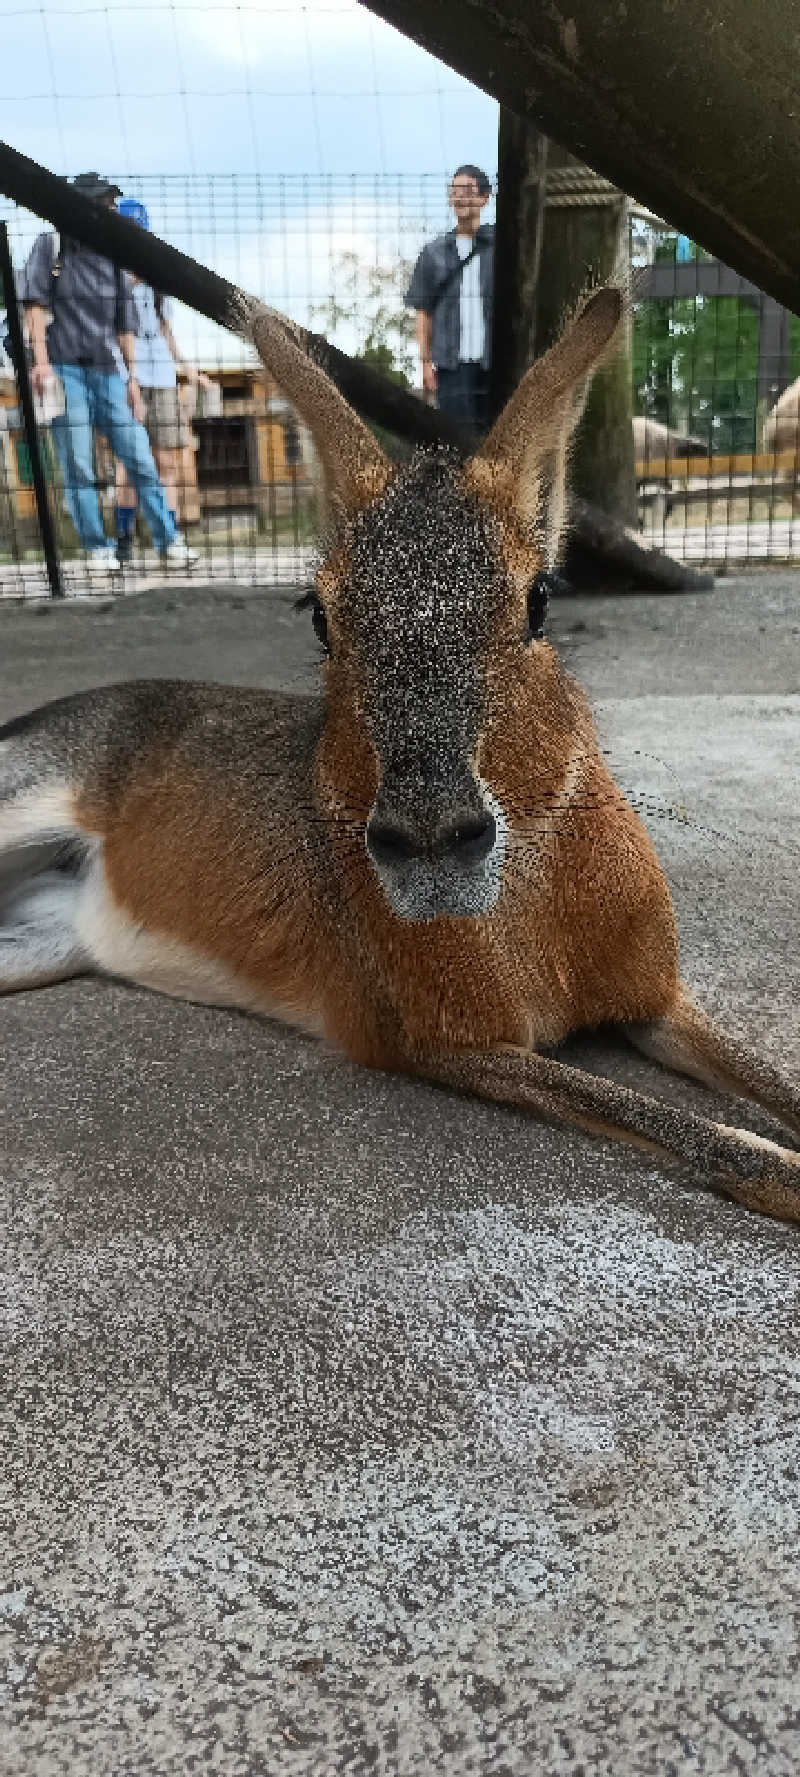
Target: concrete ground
{"x":351,"y":1427}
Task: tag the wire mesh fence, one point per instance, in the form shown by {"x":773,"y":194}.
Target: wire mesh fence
{"x":714,"y":368}
{"x":716,"y":470}
{"x":336,"y":254}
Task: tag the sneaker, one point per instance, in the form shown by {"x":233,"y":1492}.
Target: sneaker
{"x":179,"y":555}
{"x":101,"y":561}
{"x":124,"y":551}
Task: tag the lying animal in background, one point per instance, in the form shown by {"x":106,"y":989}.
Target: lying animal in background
{"x":782,"y":424}
{"x":430,"y":865}
{"x":654,"y":442}
{"x":781,"y":435}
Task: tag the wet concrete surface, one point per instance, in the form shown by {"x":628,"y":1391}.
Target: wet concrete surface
{"x":349,"y":1426}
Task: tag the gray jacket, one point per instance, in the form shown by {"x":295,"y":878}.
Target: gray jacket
{"x":436,"y":261}
{"x":91,"y":303}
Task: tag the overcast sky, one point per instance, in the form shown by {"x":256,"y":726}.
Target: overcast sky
{"x":293,"y":100}
{"x":140,"y":86}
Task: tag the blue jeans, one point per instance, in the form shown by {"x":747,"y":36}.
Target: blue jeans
{"x":98,"y":400}
{"x":464,"y":394}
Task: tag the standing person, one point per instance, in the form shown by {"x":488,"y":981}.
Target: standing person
{"x":82,"y":325}
{"x":451,"y":290}
{"x":157,"y":362}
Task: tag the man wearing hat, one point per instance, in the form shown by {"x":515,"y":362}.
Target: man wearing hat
{"x":82,"y":325}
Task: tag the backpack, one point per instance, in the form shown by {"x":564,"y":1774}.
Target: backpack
{"x":58,"y":264}
{"x":59,"y":255}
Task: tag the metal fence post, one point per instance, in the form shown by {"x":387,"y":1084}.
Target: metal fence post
{"x":20,"y":363}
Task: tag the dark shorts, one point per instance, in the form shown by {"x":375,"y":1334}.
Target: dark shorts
{"x":164,"y":419}
{"x":464,"y":394}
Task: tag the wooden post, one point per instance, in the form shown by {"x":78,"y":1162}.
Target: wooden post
{"x":560,"y":228}
{"x":521,"y":169}
{"x":377,"y":399}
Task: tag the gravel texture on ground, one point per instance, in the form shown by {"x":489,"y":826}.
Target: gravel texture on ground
{"x":351,"y":1427}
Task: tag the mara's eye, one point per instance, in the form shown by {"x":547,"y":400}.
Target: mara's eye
{"x":320,"y":623}
{"x":310,"y":601}
{"x":538,"y":597}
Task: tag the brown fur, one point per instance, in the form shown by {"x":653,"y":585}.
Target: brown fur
{"x":237,"y":824}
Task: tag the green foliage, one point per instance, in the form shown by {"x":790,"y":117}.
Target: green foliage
{"x":24,"y":470}
{"x":381,"y":357}
{"x":695,"y":360}
{"x":795,"y":346}
{"x":367,"y":301}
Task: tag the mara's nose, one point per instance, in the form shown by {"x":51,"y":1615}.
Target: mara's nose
{"x":464,"y":839}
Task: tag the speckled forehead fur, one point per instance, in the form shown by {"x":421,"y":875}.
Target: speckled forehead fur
{"x":423,"y":580}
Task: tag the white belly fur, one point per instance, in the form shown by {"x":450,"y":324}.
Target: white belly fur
{"x":118,"y":946}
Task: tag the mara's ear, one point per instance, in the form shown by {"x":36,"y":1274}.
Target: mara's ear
{"x":521,"y":465}
{"x":356,"y":468}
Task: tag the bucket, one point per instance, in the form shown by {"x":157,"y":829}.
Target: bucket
{"x":50,"y":404}
{"x":209,"y":403}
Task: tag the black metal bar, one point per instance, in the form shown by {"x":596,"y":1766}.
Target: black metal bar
{"x":20,"y":363}
{"x":166,"y":269}
{"x":371,"y":394}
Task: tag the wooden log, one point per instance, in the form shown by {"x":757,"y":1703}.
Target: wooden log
{"x":174,"y":273}
{"x":601,"y":554}
{"x":382,"y":402}
{"x":687,"y":107}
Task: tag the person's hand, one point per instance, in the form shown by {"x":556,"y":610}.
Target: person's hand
{"x":196,"y":377}
{"x":135,"y":401}
{"x":429,"y":376}
{"x":40,"y":376}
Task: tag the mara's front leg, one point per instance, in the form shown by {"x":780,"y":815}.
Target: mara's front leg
{"x":685,"y":1040}
{"x":757,"y":1173}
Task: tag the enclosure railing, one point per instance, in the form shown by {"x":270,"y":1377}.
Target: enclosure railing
{"x":336,"y":255}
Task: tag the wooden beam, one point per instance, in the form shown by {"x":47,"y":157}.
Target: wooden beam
{"x":383,"y":402}
{"x":745,"y":463}
{"x":686,"y":107}
{"x":519,"y":235}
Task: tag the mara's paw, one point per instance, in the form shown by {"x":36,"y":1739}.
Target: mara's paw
{"x":776,"y":1192}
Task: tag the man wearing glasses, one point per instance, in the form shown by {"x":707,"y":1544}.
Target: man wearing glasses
{"x":451,"y":290}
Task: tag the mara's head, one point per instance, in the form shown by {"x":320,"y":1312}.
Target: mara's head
{"x":450,"y":729}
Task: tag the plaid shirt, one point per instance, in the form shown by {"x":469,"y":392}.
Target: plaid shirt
{"x":436,"y":261}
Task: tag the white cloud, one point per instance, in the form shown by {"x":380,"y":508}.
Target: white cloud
{"x":233,"y":87}
{"x":337,"y":132}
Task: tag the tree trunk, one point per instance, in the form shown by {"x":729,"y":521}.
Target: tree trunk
{"x":547,"y":253}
